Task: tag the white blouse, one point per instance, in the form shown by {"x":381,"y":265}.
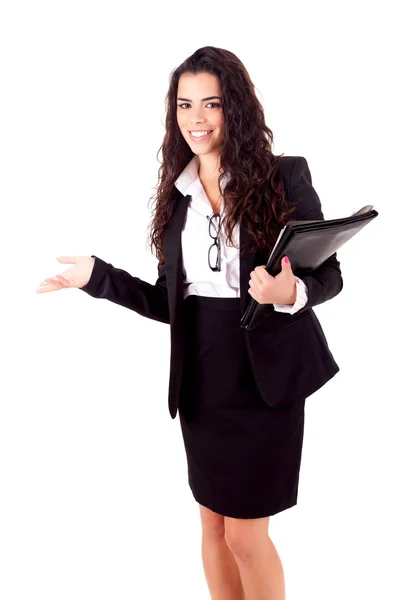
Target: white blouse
{"x":198,"y":277}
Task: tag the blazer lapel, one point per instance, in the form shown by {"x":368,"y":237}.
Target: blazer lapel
{"x":172,"y":249}
{"x":248,"y":260}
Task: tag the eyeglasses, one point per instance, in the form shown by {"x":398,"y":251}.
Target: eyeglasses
{"x":214,"y":256}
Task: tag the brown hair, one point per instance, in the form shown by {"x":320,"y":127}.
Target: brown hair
{"x":254,"y":195}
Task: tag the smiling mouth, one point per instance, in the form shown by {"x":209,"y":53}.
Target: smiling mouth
{"x":197,"y":138}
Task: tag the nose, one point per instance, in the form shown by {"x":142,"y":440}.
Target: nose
{"x":197,"y":118}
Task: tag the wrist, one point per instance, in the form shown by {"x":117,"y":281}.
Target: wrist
{"x":293,"y":296}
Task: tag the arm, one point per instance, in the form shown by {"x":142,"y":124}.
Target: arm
{"x":326,"y":281}
{"x":120,"y":287}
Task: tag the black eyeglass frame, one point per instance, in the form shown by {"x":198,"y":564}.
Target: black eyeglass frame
{"x":216,"y":241}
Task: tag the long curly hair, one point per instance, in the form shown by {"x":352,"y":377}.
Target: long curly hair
{"x":254,"y":195}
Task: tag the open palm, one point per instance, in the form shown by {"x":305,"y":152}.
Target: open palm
{"x":75,"y":277}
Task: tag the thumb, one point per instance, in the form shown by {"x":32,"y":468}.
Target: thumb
{"x":285,"y":263}
{"x":67,"y":259}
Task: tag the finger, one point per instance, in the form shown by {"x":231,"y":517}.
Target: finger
{"x":54,"y":282}
{"x":64,"y":281}
{"x":262,"y":273}
{"x":49,"y":287}
{"x":255,"y":277}
{"x":286,"y":269}
{"x":47,"y":280}
{"x":67,"y":259}
{"x":253,"y":294}
{"x":254,"y":284}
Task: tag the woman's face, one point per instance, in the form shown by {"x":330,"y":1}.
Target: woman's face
{"x":199,"y":110}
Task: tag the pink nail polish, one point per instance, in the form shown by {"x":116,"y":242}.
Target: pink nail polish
{"x":286,"y":259}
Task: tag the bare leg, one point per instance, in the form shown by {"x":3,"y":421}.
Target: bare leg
{"x":220,"y":567}
{"x":259,"y":564}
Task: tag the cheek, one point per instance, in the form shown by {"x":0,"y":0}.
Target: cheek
{"x":180,"y":119}
{"x":220,"y":123}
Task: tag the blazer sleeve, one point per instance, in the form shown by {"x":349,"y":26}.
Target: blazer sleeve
{"x":326,"y":281}
{"x":120,"y":287}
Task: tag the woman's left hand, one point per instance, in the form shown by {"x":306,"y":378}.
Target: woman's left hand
{"x":267,"y":289}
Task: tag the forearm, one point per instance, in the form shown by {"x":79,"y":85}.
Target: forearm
{"x":324,"y":283}
{"x":118,"y":286}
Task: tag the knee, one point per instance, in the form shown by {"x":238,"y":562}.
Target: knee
{"x":241,"y":546}
{"x":246,"y":538}
{"x":213,"y":524}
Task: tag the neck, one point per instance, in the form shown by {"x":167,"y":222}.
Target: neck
{"x":210,"y":166}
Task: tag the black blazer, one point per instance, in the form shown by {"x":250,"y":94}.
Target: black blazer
{"x":289,"y":354}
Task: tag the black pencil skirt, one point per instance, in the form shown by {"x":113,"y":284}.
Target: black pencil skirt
{"x":243,"y":456}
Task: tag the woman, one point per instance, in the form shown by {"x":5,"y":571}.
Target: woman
{"x":221,"y":201}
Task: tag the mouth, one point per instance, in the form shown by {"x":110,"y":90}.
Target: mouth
{"x":199,"y":136}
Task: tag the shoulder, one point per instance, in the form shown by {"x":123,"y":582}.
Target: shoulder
{"x":293,"y":169}
{"x":297,"y":179}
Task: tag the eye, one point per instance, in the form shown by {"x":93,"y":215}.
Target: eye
{"x":212,"y":103}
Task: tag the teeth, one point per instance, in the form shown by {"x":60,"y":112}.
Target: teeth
{"x":199,"y":133}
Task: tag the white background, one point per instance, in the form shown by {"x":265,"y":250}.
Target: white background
{"x":94,"y":499}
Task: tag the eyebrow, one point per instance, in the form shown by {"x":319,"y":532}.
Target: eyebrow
{"x":202,"y":100}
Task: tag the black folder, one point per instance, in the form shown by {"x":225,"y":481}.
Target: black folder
{"x":308,"y":244}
